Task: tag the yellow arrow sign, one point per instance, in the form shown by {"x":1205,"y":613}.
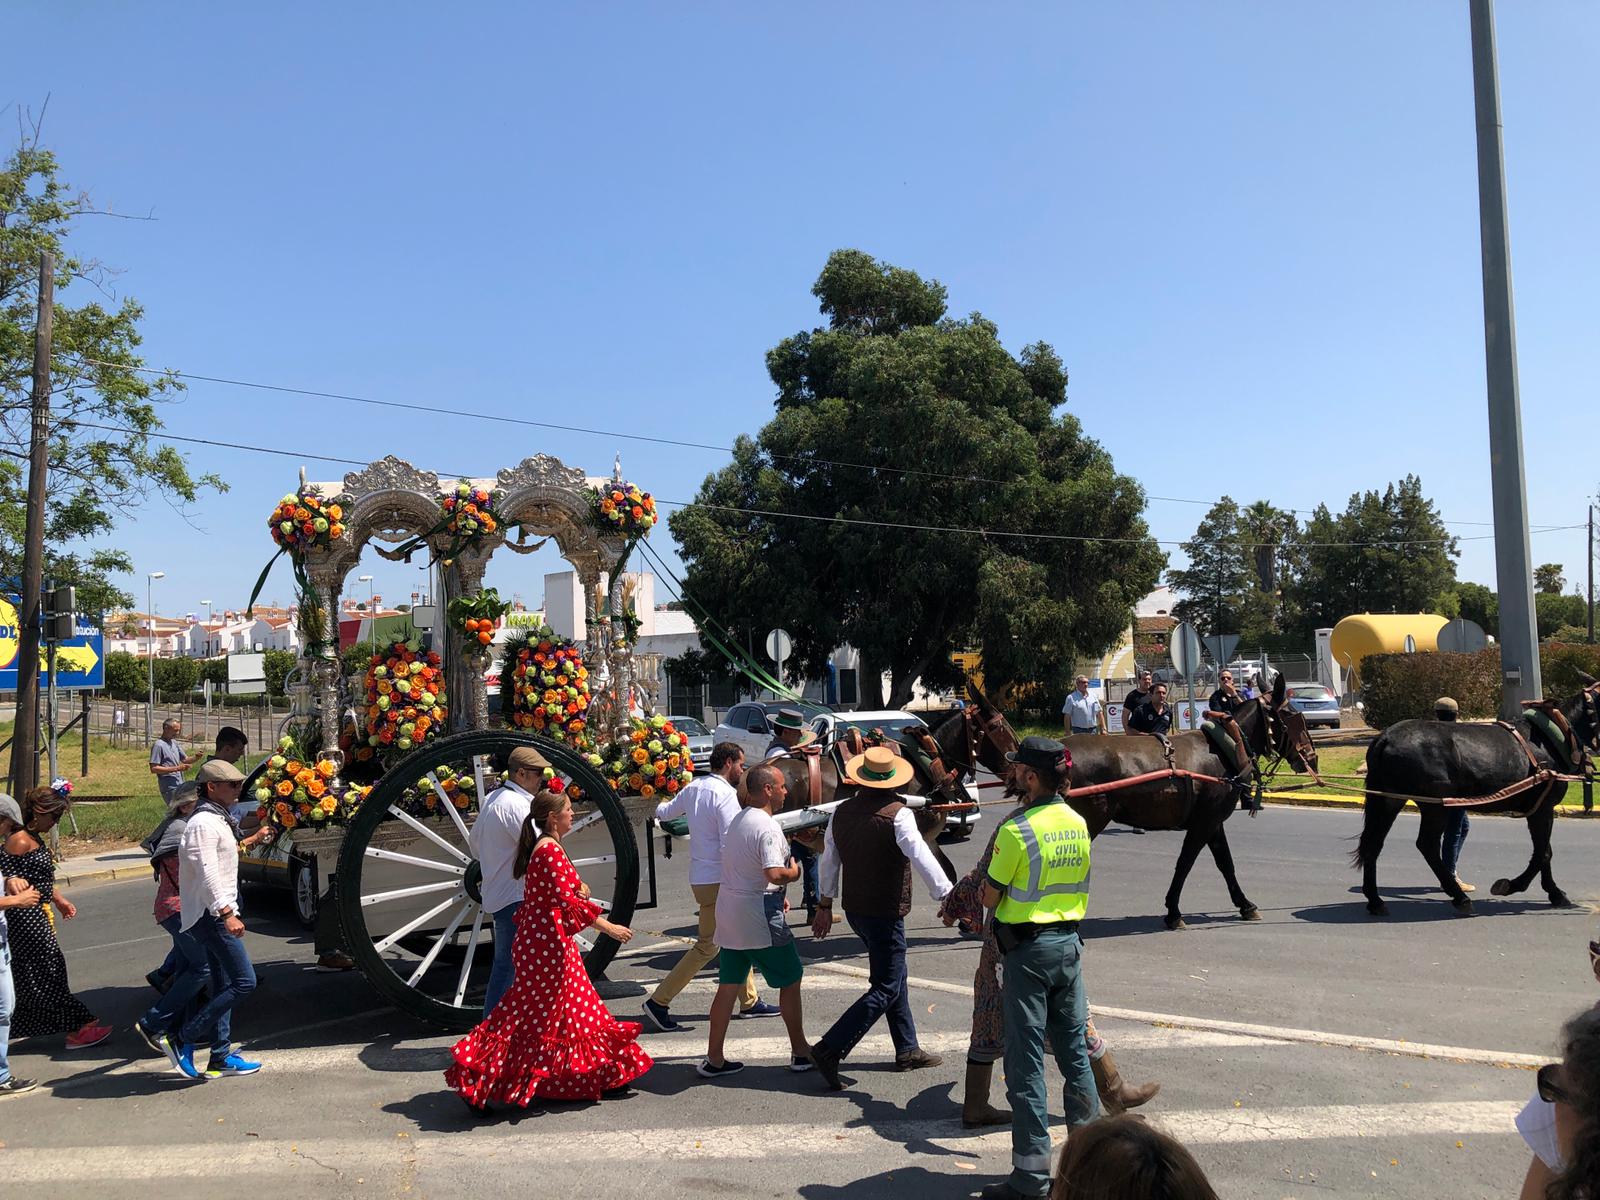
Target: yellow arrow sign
{"x":77,"y":659}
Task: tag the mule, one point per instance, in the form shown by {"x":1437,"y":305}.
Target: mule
{"x":1439,"y":759}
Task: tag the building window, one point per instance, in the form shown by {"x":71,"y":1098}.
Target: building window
{"x":847,"y":686}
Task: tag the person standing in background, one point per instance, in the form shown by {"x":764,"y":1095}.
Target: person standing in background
{"x":167,"y":759}
{"x":1083,"y":713}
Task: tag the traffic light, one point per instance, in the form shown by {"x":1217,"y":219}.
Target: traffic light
{"x":60,"y":617}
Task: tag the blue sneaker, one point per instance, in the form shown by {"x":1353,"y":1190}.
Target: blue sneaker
{"x":760,"y":1009}
{"x":232,"y":1065}
{"x":182,"y":1057}
{"x":659,"y":1019}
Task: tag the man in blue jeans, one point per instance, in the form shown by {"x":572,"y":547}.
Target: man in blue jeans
{"x":873,"y":836}
{"x":493,"y":842}
{"x":20,"y":894}
{"x":212,"y":938}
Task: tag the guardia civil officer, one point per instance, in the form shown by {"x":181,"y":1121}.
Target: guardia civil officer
{"x":1038,"y":887}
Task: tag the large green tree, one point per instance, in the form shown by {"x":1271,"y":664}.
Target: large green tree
{"x":103,"y":460}
{"x":896,"y":416}
{"x":1386,"y":552}
{"x":1220,"y":577}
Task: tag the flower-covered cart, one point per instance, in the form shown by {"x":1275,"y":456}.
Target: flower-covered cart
{"x":376,"y":796}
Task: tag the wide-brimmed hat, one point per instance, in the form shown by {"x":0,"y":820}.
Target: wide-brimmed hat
{"x":186,"y":792}
{"x":788,"y":718}
{"x":218,"y":770}
{"x":1042,"y":754}
{"x":526,"y":758}
{"x":878,"y":767}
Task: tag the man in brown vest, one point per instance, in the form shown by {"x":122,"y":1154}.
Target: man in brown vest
{"x":873,"y":836}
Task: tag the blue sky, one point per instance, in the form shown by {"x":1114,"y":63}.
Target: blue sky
{"x":1250,"y":230}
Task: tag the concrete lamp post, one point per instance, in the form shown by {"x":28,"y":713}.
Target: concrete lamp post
{"x":150,"y":629}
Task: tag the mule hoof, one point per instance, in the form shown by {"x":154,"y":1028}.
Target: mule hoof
{"x":1462,"y":905}
{"x":1561,"y":900}
{"x":1377,"y":908}
{"x":1501,"y":887}
{"x":1252,"y":913}
{"x":1174,"y":921}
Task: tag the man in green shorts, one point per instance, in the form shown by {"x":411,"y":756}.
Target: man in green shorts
{"x":751,"y":930}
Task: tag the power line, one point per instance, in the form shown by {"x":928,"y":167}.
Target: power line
{"x":500,"y":418}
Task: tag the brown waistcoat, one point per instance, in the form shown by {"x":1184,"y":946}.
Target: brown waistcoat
{"x":877,"y":875}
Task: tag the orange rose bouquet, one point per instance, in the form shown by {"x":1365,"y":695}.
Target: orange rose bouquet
{"x":622,"y":508}
{"x":296,"y":790}
{"x":653,"y":760}
{"x":544,"y":687}
{"x":405,"y":700}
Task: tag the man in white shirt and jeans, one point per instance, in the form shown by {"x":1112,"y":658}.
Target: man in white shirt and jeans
{"x":709,"y":804}
{"x":493,"y":841}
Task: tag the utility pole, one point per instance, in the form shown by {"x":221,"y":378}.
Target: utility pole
{"x":1591,"y":574}
{"x":1519,"y":634}
{"x":25,"y":737}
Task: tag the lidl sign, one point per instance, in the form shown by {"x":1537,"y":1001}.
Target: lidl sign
{"x":80,"y":663}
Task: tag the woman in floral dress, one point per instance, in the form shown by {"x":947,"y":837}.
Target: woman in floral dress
{"x":45,"y":1003}
{"x":551,"y":1036}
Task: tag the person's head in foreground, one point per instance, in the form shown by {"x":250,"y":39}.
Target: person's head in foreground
{"x":1122,"y":1158}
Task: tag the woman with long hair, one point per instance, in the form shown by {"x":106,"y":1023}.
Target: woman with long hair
{"x":1122,"y":1158}
{"x":45,"y":1003}
{"x":550,"y":1036}
{"x":1566,"y":1144}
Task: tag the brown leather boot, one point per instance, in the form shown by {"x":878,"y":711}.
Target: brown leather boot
{"x":975,"y":1107}
{"x":1116,"y":1097}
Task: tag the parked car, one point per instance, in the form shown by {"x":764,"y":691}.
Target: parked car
{"x":828,"y":725}
{"x":700,"y":741}
{"x":747,"y":724}
{"x":1316,"y":702}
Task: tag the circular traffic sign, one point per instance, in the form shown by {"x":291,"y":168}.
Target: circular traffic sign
{"x":779,"y":645}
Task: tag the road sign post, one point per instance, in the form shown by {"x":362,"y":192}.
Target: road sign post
{"x":779,"y":645}
{"x":1185,"y":644}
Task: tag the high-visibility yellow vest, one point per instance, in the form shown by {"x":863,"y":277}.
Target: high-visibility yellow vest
{"x":1041,"y":863}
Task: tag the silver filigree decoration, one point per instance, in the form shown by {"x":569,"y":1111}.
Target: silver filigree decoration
{"x":541,"y":470}
{"x":390,"y":474}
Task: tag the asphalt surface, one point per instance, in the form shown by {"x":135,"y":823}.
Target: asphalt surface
{"x":1252,"y":1028}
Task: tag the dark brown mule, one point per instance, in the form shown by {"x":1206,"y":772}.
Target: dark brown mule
{"x":1439,"y":759}
{"x":1198,"y":806}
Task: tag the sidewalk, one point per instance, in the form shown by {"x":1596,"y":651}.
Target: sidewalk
{"x":127,"y":863}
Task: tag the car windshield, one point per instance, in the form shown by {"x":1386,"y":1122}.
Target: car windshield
{"x":1311,"y":693}
{"x":690,"y":726}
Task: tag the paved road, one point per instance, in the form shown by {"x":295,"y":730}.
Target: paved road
{"x":1254,"y":1030}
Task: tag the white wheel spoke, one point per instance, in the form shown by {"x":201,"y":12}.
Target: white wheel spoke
{"x":394,"y":937}
{"x":427,"y":864}
{"x":429,"y":834}
{"x":595,"y":861}
{"x":439,"y":944}
{"x":605,"y":905}
{"x":583,"y":941}
{"x":587,"y":821}
{"x":466,"y":963}
{"x":477,"y":778}
{"x":448,"y":805}
{"x":421,"y":889}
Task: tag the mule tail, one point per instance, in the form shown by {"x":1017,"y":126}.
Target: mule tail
{"x":1380,"y":814}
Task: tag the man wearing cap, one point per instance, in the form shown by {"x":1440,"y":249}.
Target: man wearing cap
{"x":25,"y":896}
{"x":790,"y":734}
{"x":212,"y":938}
{"x":1038,"y":887}
{"x":873,"y":837}
{"x":493,"y":841}
{"x":1455,"y":819}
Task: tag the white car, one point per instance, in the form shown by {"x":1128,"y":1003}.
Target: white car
{"x":828,"y":725}
{"x":747,"y":725}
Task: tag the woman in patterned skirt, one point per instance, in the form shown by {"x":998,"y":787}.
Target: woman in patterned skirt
{"x":45,"y":1004}
{"x":550,"y":1036}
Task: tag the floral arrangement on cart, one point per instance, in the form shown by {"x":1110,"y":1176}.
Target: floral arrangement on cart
{"x":296,"y":789}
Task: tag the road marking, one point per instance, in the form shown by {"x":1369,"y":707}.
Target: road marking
{"x":467,"y":1148}
{"x":154,"y":937}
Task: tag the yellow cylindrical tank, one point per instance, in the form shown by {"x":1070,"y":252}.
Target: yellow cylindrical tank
{"x":1357,"y":636}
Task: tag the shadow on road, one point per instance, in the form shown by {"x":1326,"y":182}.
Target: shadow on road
{"x":909,"y":1181}
{"x":1411,"y":912}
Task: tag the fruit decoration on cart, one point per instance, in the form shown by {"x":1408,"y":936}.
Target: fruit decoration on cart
{"x":653,"y":759}
{"x":475,"y":618}
{"x":298,"y":790}
{"x":405,"y":700}
{"x":544,"y":687}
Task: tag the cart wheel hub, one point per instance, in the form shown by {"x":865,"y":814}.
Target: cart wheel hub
{"x":473,"y":881}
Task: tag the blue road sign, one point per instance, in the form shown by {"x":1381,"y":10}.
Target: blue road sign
{"x":80,"y":663}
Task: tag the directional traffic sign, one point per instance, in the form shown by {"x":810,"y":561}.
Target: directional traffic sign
{"x":80,"y":662}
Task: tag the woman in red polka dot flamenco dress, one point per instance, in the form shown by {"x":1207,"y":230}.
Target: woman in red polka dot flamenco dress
{"x":550,"y":1037}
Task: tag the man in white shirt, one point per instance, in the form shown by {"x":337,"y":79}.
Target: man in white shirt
{"x":873,"y":836}
{"x":213,"y":935}
{"x":709,"y":804}
{"x":493,"y":842}
{"x":1083,"y":713}
{"x":751,"y":930}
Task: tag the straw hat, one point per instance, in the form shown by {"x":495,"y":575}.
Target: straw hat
{"x":788,"y":718}
{"x":879,"y":767}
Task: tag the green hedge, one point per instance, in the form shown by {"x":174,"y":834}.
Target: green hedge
{"x":1398,"y":687}
{"x":1559,"y":664}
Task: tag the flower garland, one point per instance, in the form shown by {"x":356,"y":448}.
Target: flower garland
{"x":294,"y":791}
{"x":405,"y":699}
{"x":622,"y":508}
{"x":547,"y":691}
{"x":421,"y":799}
{"x":653,"y":759}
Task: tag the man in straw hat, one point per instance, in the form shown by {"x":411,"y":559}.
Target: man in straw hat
{"x":873,"y":836}
{"x":790,"y":734}
{"x":493,"y":841}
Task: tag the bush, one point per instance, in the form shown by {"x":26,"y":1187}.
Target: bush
{"x":125,"y":676}
{"x":1398,"y":687}
{"x":1559,"y":664}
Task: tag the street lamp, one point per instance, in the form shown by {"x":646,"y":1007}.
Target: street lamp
{"x":372,"y":621}
{"x":150,"y":629}
{"x":210,"y":616}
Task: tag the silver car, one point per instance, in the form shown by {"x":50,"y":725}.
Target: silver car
{"x":1315,"y":702}
{"x":699,"y":741}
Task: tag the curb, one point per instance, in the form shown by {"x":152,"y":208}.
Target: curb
{"x":141,"y":870}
